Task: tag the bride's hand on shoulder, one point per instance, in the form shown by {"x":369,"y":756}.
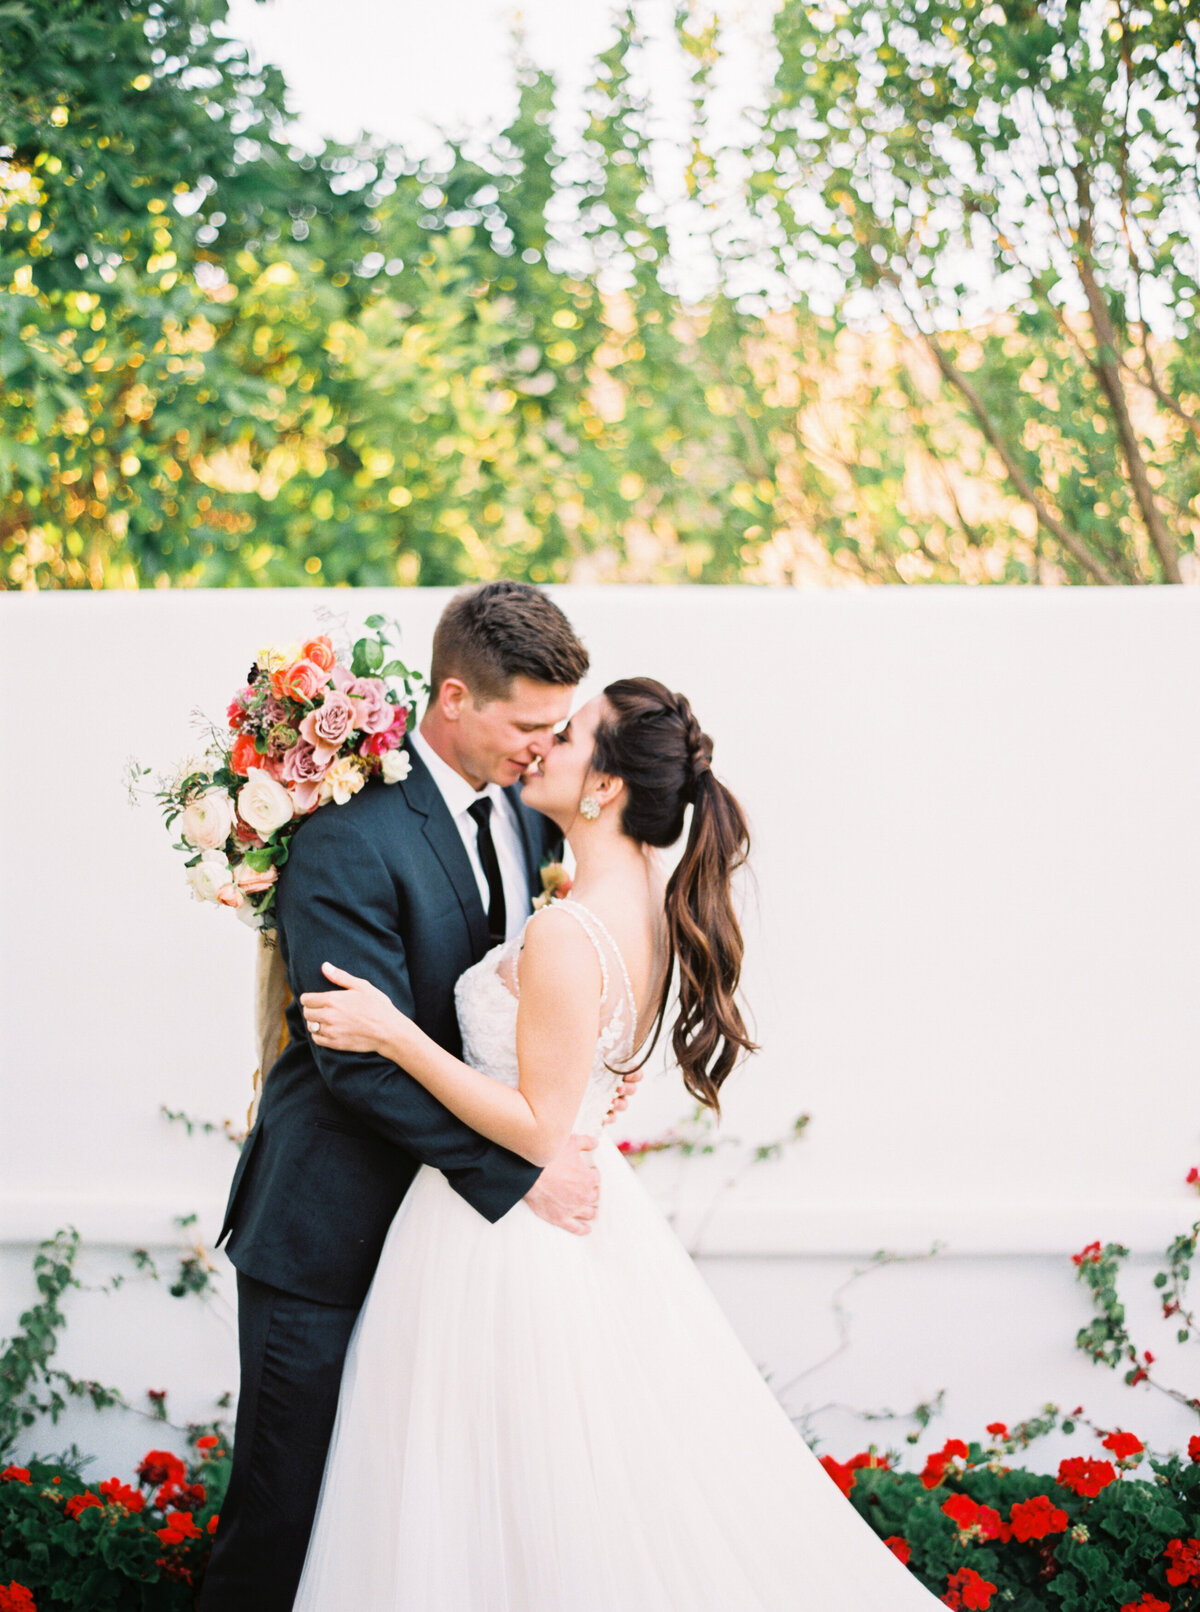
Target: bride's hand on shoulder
{"x":357,"y":1017}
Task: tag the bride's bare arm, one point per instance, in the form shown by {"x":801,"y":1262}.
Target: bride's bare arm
{"x":557,"y":1018}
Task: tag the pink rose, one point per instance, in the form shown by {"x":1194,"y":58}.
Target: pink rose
{"x":306,"y":796}
{"x":230,"y":896}
{"x":378,"y":744}
{"x":303,"y":764}
{"x":329,"y":725}
{"x":251,"y":882}
{"x":372,"y":713}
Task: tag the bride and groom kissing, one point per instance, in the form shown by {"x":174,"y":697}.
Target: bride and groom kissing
{"x":479,"y":1373}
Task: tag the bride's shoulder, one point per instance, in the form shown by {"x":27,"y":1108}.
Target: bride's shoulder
{"x":557,"y":947}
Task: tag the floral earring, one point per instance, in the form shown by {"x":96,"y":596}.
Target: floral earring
{"x":589,"y":808}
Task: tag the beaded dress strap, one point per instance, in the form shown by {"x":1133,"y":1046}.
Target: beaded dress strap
{"x":587,"y":918}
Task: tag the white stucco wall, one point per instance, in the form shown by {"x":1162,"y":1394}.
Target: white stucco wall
{"x":973,"y":951}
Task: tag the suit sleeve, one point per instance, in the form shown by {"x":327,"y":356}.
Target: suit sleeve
{"x":337,"y":903}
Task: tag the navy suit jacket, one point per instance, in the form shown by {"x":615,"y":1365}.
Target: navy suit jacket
{"x":382,"y":887}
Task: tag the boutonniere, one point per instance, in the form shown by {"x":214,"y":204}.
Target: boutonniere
{"x":556,"y":882}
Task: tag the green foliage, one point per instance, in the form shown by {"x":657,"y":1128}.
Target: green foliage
{"x":111,"y":1555}
{"x":1107,"y":1339}
{"x":1106,"y":1551}
{"x":225,"y":361}
{"x":942,"y":161}
{"x":30,"y":1387}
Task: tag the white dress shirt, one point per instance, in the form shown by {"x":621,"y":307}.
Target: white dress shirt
{"x":506,"y":833}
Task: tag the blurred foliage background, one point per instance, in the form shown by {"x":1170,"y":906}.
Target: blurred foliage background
{"x":950,"y":334}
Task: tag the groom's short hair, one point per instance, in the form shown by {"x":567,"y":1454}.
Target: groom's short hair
{"x":490,"y":634}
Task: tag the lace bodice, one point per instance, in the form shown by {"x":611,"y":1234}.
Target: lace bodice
{"x":486,"y":998}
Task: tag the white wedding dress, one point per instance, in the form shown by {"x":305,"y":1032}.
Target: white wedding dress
{"x":535,"y":1422}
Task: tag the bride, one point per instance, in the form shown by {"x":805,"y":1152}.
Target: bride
{"x":533,"y":1422}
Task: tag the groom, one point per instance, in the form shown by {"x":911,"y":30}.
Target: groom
{"x":406,"y":886}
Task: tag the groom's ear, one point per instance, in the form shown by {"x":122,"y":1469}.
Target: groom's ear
{"x":451,"y":697}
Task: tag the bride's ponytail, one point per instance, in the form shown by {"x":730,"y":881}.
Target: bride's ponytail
{"x":654,"y":742}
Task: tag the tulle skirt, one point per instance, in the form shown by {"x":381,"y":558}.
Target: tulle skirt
{"x":535,"y":1422}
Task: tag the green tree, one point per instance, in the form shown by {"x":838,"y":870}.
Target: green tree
{"x":1013,"y":182}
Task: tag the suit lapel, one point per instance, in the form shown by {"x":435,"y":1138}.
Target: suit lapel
{"x":424,"y":797}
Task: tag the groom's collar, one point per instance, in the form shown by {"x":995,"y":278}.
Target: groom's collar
{"x":454,"y":789}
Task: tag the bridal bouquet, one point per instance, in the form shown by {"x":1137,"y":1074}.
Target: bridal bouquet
{"x":306,"y":729}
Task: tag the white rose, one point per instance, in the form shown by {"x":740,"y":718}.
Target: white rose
{"x":207,"y":820}
{"x":209,"y":876}
{"x":397,"y":764}
{"x":249,"y":915}
{"x":264,"y":803}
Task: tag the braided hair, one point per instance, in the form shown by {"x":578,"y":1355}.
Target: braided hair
{"x":653,"y":741}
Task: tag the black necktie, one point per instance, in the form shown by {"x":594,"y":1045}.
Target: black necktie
{"x":481,"y":811}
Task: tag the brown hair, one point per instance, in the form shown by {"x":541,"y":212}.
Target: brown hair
{"x":501,"y":630}
{"x":654,"y":743}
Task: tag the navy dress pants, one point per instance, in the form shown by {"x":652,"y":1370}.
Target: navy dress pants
{"x":292,"y":1351}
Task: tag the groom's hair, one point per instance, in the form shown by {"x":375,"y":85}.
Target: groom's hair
{"x":501,"y":630}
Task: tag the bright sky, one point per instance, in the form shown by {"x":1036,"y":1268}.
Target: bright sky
{"x":400,"y":67}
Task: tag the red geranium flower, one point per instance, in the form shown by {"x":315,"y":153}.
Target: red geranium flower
{"x":15,"y":1474}
{"x":1087,"y":1256}
{"x":1036,"y":1517}
{"x":161,"y":1466}
{"x":967,"y":1590}
{"x":1123,"y":1445}
{"x":1193,"y":1177}
{"x":936,"y":1464}
{"x":843,"y":1476}
{"x":208,"y":1442}
{"x":899,"y":1546}
{"x":16,"y":1598}
{"x":1086,"y":1477}
{"x":1148,"y":1603}
{"x":82,"y":1502}
{"x":1184,"y":1560}
{"x":1194,"y":1447}
{"x":998,"y":1429}
{"x":968,"y":1514}
{"x":180,"y":1525}
{"x":120,"y":1494}
{"x":213,"y":1521}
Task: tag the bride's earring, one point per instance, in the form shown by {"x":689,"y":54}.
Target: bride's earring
{"x":589,"y":807}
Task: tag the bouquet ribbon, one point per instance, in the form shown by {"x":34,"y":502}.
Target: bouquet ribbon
{"x":271,"y":997}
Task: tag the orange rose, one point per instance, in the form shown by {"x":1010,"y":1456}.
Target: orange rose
{"x":244,"y":756}
{"x":303,"y":680}
{"x":320,"y":652}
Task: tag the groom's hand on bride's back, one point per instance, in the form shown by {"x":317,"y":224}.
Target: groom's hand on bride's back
{"x":568,"y":1190}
